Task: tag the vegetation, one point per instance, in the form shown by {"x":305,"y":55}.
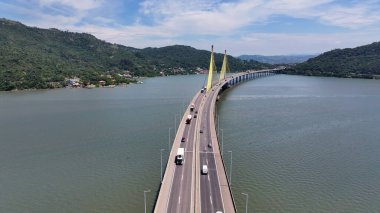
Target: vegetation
{"x":44,"y":58}
{"x":359,"y":62}
{"x":278,"y":59}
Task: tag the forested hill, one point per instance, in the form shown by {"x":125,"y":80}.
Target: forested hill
{"x":359,"y":62}
{"x":191,"y":58}
{"x":278,"y":59}
{"x":43,"y":58}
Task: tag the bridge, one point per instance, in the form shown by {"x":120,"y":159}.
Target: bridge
{"x":185,"y":188}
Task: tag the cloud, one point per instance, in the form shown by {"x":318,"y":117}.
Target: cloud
{"x":281,"y":43}
{"x":80,"y":5}
{"x":227,"y":23}
{"x":350,"y":17}
{"x":227,"y":18}
{"x":198,"y":17}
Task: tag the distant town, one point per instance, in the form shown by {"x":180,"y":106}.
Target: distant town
{"x":109,"y":81}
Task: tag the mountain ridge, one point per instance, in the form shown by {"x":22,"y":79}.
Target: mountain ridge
{"x":359,"y":62}
{"x":279,"y":59}
{"x":31,"y":57}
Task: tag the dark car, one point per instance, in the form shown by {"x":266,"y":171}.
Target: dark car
{"x":195,"y":116}
{"x":183,"y":139}
{"x":201,"y":131}
{"x":209,"y":145}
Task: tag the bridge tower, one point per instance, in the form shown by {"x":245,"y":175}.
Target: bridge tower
{"x":212,"y":70}
{"x":225,"y":67}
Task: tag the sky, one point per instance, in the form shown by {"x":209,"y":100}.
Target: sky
{"x":265,"y":27}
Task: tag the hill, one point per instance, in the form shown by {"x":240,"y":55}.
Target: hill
{"x":359,"y":62}
{"x":277,"y":59}
{"x":31,"y":57}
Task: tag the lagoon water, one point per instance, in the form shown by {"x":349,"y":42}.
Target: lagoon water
{"x":304,"y":144}
{"x":300,"y":144}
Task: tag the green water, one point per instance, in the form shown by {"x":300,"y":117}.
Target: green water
{"x":88,"y":150}
{"x":300,"y":144}
{"x":304,"y":144}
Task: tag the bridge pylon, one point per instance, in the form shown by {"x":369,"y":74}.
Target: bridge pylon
{"x":225,"y":67}
{"x":211,"y":70}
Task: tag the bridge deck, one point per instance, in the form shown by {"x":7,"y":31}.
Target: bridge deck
{"x":183,"y":188}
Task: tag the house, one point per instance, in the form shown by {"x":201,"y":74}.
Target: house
{"x":102,"y":83}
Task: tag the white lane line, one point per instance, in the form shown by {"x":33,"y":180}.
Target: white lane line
{"x":211,"y":200}
{"x":216,"y":164}
{"x":179,"y":200}
{"x":217,"y":175}
{"x":182,"y":177}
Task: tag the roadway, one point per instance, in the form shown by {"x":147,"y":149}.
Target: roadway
{"x":210,"y":193}
{"x":184,"y":188}
{"x":197,"y":151}
{"x":181,"y":196}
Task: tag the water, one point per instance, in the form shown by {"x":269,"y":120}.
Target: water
{"x":304,"y":144}
{"x":300,"y":144}
{"x":81,"y":150}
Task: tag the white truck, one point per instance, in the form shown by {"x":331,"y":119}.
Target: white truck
{"x":180,"y":156}
{"x":188,"y":119}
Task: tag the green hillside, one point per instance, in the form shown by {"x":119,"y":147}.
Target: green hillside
{"x":359,"y":62}
{"x":278,"y":59}
{"x":191,"y":58}
{"x":43,"y":58}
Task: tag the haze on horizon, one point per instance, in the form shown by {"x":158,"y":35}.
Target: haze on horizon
{"x":266,"y":27}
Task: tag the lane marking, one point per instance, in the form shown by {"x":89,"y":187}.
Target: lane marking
{"x":194,"y":159}
{"x":199,"y":156}
{"x":216,"y":167}
{"x":177,"y":135}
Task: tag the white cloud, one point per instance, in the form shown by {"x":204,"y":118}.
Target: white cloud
{"x":228,"y":24}
{"x":198,"y":17}
{"x":281,"y":43}
{"x":80,"y":5}
{"x":214,"y":18}
{"x":354,"y":17}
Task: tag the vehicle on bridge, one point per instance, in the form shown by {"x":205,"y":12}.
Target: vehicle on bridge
{"x":188,"y":119}
{"x":204,"y":169}
{"x":192,"y":107}
{"x":183,"y":139}
{"x":180,"y":156}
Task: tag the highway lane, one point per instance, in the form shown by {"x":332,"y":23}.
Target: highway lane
{"x":210,"y":194}
{"x":182,"y":188}
{"x":211,"y":199}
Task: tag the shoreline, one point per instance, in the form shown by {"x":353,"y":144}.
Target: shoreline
{"x":139,"y":81}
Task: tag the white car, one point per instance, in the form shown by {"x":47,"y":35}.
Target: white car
{"x":204,"y":169}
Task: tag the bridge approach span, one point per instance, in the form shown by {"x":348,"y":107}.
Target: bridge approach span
{"x":184,"y":188}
